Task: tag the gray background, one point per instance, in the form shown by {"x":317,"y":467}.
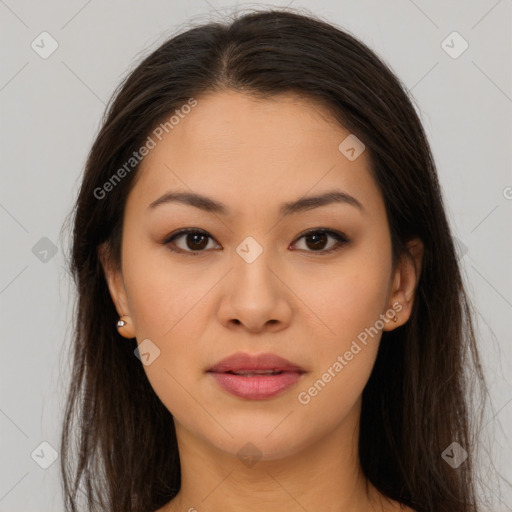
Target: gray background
{"x":51,"y":110}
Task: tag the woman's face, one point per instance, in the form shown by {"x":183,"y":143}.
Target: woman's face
{"x":254,"y":283}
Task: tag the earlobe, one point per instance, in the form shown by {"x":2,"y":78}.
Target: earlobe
{"x":405,"y":282}
{"x":125,"y":327}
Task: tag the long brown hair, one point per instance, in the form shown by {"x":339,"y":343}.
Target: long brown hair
{"x":415,"y":404}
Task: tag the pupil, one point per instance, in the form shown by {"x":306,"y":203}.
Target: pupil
{"x":320,"y":239}
{"x":196,"y":240}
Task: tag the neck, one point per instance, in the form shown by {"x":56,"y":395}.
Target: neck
{"x":326,"y":476}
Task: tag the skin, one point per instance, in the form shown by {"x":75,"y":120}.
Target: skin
{"x":293,"y":301}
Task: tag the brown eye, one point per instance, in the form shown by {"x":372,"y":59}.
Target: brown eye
{"x":194,"y":242}
{"x":316,"y":240}
{"x":191,"y":241}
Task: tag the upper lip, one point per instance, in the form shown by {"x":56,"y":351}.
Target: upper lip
{"x":246,"y":362}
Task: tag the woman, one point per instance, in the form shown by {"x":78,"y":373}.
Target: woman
{"x":270,"y":310}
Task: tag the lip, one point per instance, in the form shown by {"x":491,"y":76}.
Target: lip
{"x":242,"y":361}
{"x":255,"y":387}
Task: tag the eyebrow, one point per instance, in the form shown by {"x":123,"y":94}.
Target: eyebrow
{"x":300,"y":205}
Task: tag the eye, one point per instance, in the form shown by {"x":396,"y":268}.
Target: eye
{"x":195,"y":241}
{"x":316,"y":239}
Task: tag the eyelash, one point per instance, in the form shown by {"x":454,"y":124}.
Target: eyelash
{"x":340,"y":237}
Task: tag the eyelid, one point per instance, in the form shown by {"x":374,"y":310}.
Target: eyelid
{"x":186,"y":231}
{"x":341,"y":238}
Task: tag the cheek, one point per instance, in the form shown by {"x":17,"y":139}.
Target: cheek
{"x":349,"y":304}
{"x":162,"y":299}
{"x":345,"y":357}
{"x":169,"y":306}
{"x":351,"y":298}
{"x":165,"y":307}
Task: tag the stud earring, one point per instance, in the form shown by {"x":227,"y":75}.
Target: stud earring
{"x":121,"y":322}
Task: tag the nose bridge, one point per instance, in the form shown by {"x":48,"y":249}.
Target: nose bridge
{"x":251,"y":264}
{"x":254,"y":291}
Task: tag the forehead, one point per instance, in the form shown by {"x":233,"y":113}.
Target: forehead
{"x":248,"y":150}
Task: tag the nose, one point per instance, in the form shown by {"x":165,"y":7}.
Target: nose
{"x":255,"y":297}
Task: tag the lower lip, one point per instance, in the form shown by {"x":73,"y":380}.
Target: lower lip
{"x":256,"y":387}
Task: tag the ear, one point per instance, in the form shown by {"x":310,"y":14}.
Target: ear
{"x":405,"y":281}
{"x":115,"y":283}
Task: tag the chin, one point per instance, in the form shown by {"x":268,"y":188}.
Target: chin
{"x":263,"y":442}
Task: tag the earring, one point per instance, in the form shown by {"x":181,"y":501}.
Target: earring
{"x":121,"y":322}
{"x":395,"y":318}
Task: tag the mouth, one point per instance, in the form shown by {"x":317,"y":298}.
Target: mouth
{"x":255,"y":377}
{"x":254,"y":373}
